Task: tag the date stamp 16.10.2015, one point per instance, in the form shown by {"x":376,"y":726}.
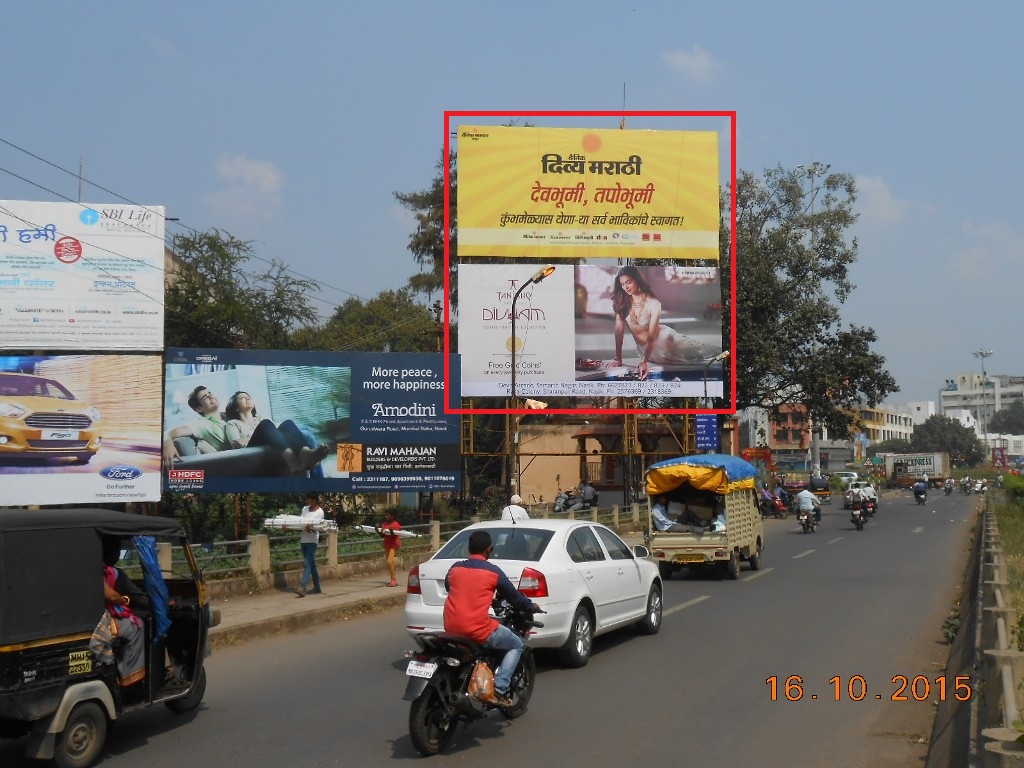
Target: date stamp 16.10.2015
{"x":856,"y":688}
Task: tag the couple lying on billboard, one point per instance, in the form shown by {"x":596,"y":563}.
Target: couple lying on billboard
{"x":290,"y":448}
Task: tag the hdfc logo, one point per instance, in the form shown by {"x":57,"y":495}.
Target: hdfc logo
{"x":185,"y":475}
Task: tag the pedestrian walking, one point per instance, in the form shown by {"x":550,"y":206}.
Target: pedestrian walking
{"x":312,"y":515}
{"x":388,"y":531}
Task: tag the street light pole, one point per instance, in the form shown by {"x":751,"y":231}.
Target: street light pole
{"x":813,"y":170}
{"x":716,"y":359}
{"x":982,"y":354}
{"x":537,"y":276}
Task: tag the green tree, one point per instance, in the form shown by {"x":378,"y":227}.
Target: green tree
{"x":212,"y":301}
{"x":427,"y":242}
{"x":1008,"y":421}
{"x":791,"y":280}
{"x":392,"y":321}
{"x":892,"y":445}
{"x":946,"y":435}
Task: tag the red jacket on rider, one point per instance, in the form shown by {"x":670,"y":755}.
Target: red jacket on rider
{"x":471,"y":585}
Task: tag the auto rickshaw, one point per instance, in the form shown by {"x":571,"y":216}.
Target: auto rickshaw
{"x":54,"y":686}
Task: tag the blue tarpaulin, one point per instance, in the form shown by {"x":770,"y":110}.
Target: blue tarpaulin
{"x":155,"y":586}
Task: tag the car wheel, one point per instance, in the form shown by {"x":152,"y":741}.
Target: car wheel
{"x":81,"y":741}
{"x":755,"y":560}
{"x":576,"y":652}
{"x":651,"y":622}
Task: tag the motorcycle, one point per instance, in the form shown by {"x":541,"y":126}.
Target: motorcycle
{"x":965,"y":489}
{"x":857,"y":516}
{"x":947,"y":489}
{"x":566,"y":502}
{"x":980,"y":486}
{"x":774,"y":508}
{"x":869,"y":506}
{"x":920,"y":496}
{"x":439,"y":681}
{"x":807,"y":521}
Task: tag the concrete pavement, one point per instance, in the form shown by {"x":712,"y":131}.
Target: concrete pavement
{"x":275,"y":611}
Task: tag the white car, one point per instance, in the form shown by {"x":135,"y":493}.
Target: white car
{"x":845,"y":477}
{"x":581,"y":573}
{"x":857,"y":484}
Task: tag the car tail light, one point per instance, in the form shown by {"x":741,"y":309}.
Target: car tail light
{"x":413,"y":586}
{"x":533,"y":584}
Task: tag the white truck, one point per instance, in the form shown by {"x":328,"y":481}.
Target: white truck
{"x":712,"y":503}
{"x":904,"y":469}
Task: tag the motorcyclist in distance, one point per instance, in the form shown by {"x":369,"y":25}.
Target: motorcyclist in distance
{"x":808,"y":502}
{"x":920,"y":489}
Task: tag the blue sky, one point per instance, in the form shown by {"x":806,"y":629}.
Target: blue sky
{"x":290,"y":125}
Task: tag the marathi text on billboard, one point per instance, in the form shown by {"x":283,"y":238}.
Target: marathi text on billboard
{"x":527,"y":192}
{"x":81,"y":277}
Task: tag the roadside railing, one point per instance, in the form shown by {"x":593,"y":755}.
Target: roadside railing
{"x":1000,"y":665}
{"x":266,"y":558}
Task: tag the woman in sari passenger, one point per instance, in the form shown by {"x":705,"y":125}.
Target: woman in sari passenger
{"x":131,"y":656}
{"x":637,"y":308}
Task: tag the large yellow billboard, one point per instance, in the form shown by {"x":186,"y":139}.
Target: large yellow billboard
{"x":544,"y":193}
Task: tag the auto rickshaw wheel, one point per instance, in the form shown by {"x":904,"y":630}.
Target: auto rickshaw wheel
{"x":82,"y":739}
{"x":193,"y":698}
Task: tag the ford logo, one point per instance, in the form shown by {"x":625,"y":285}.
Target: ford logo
{"x":122,"y":472}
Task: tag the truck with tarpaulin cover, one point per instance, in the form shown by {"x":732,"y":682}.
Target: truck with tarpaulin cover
{"x":711,"y":500}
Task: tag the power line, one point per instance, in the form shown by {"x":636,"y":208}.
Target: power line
{"x":256,"y":278}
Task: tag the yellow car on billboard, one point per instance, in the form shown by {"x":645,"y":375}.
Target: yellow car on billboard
{"x":40,"y":419}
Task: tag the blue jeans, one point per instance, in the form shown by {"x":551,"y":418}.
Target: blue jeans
{"x":504,"y":638}
{"x":309,"y":566}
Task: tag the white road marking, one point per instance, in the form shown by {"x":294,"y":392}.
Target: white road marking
{"x":919,"y":529}
{"x":687,"y":604}
{"x":757,"y":574}
{"x":803,"y":554}
{"x":837,"y":538}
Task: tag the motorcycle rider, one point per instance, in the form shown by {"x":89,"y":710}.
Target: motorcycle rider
{"x":808,"y":502}
{"x":767,"y":498}
{"x":857,"y":498}
{"x":471,"y":585}
{"x":920,"y":489}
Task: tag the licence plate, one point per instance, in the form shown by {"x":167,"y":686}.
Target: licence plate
{"x":689,"y":558}
{"x":59,"y":434}
{"x":421,"y":669}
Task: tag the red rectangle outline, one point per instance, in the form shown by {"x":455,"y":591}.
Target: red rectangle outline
{"x":731,"y":114}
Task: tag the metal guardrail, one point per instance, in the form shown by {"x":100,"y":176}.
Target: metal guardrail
{"x":1000,"y":665}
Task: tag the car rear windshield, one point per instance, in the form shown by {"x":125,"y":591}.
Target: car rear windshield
{"x":512,"y":543}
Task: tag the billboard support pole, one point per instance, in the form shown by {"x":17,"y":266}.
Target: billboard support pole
{"x":513,"y":474}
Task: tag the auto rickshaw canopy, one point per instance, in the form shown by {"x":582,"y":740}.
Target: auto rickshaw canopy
{"x":712,"y":472}
{"x":51,"y":575}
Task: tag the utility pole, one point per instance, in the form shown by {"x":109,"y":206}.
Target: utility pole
{"x":983,"y":354}
{"x":814,"y":170}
